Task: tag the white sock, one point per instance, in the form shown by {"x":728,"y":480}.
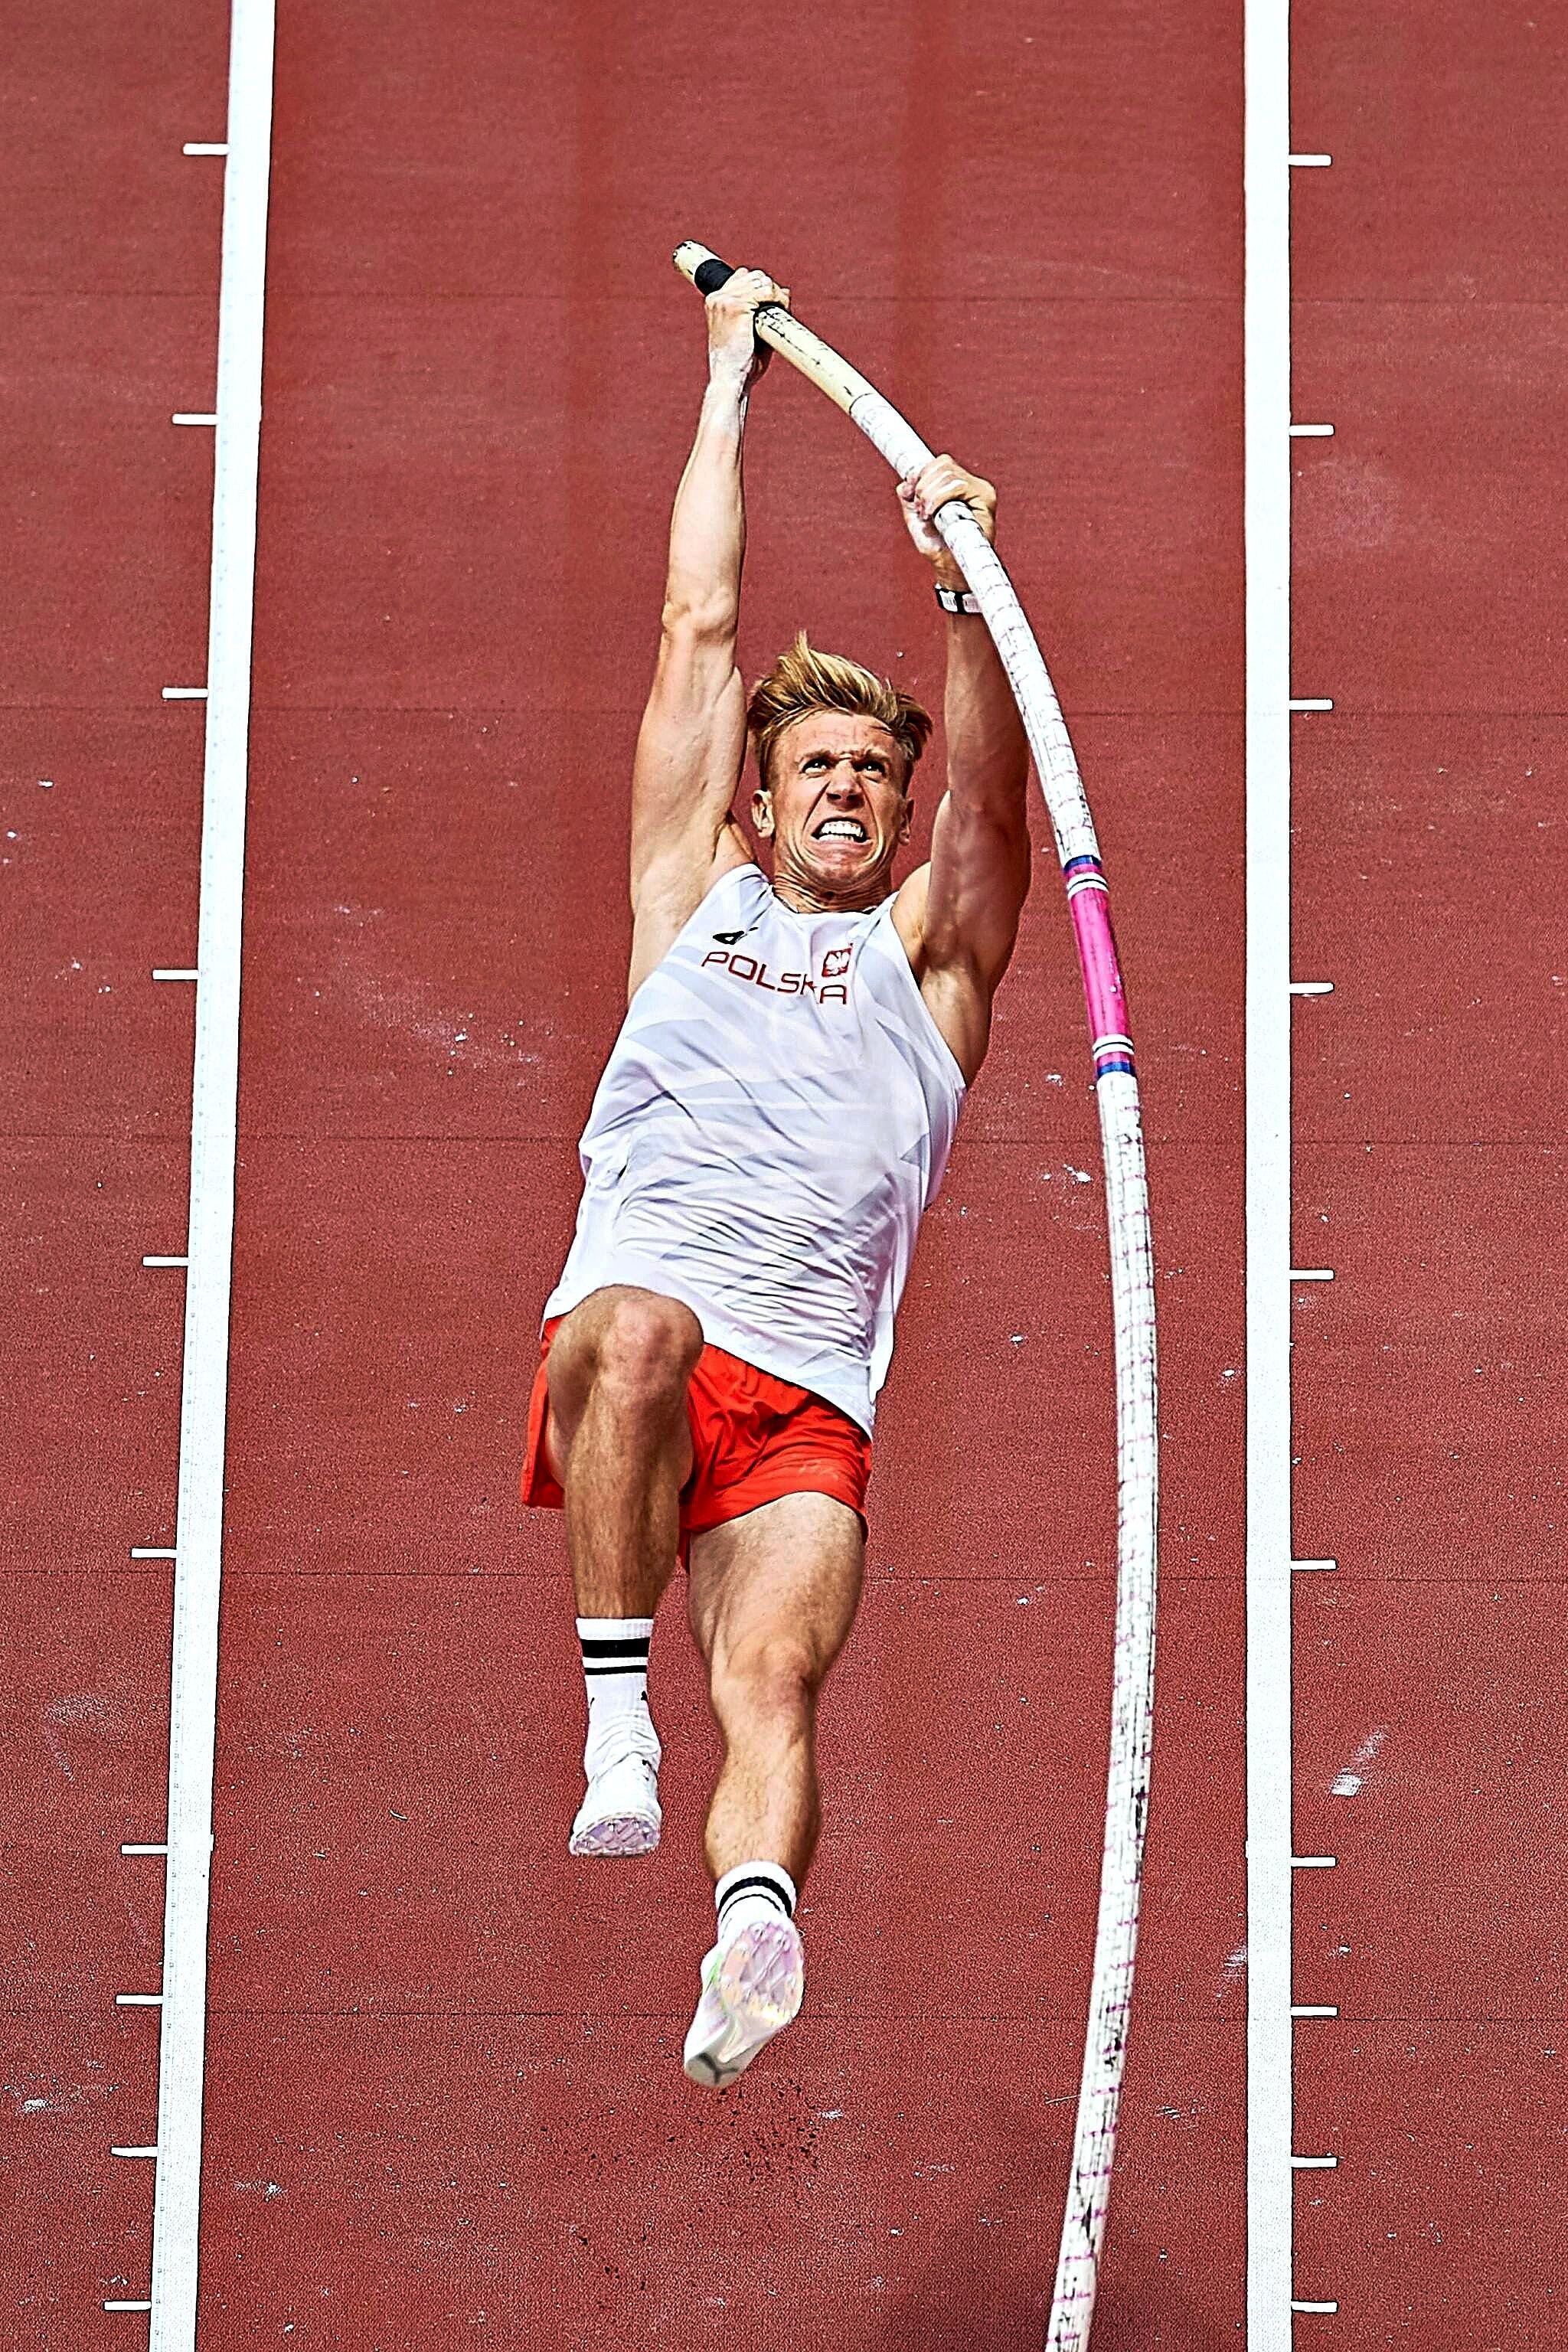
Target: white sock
{"x":752,"y":1891}
{"x":615,"y":1673}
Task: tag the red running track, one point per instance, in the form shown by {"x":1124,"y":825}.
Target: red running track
{"x":445,"y":2098}
{"x":1429,"y":277}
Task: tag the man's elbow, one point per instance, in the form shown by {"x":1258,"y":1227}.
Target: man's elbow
{"x":710,"y":620}
{"x":997,"y":789}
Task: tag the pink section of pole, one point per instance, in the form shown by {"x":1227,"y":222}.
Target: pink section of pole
{"x":1089,"y":904}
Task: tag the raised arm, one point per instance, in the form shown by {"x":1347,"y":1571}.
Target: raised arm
{"x":693,"y":744}
{"x":958,"y":914}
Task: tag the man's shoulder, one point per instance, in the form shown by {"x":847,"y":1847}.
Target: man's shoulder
{"x":909,"y":915}
{"x":670,"y":892}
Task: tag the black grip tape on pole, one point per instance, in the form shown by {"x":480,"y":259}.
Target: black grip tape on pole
{"x":710,"y":276}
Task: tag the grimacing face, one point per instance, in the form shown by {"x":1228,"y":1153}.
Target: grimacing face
{"x":837,"y":810}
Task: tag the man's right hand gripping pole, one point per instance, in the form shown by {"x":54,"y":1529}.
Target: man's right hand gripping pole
{"x":733,"y":346}
{"x":707,"y":527}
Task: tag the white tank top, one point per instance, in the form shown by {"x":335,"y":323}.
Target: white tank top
{"x":774,"y":1119}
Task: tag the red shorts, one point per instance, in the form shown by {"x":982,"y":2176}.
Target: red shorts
{"x":753,"y":1438}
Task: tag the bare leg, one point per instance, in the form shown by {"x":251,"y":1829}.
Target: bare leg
{"x":772,"y":1597}
{"x":617,"y":1440}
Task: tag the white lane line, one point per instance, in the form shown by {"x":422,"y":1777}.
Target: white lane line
{"x":1311,"y":1274}
{"x":1311,"y":431}
{"x":1314,"y":2163}
{"x":151,"y":1551}
{"x":214,"y":147}
{"x":1299,"y":1564}
{"x":1303,"y":162}
{"x":1314,"y":1862}
{"x":1314,"y":2008}
{"x":1311,"y":988}
{"x":165,"y":1261}
{"x":132,"y":2151}
{"x":204,"y":1407}
{"x":1314,"y":2306}
{"x":138,"y":2000}
{"x":143,"y":1849}
{"x":166,"y":973}
{"x":1267,"y":523}
{"x":120,"y":2305}
{"x":189,"y":417}
{"x":185,"y":694}
{"x":1313,"y":702}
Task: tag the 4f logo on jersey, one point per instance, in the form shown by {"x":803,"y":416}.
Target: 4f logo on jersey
{"x":828,"y":990}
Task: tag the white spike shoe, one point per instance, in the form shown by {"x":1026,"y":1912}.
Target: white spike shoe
{"x":620,"y":1815}
{"x":750,"y":1988}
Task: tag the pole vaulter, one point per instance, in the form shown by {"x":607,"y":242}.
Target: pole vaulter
{"x":1132,"y":1292}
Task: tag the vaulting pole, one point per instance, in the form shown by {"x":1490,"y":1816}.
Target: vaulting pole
{"x":1132,"y":1295}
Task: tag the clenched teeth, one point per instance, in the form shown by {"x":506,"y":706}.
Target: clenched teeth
{"x":840,"y":828}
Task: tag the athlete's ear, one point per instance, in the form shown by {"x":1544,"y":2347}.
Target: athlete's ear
{"x":906,"y":823}
{"x":762,"y":811}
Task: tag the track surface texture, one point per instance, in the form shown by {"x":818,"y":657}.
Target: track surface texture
{"x":445,"y":2100}
{"x":1430,"y":278}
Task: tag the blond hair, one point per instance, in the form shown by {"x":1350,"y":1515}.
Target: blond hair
{"x":803,"y":680}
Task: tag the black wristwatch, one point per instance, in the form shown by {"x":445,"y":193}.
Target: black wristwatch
{"x":957,"y":600}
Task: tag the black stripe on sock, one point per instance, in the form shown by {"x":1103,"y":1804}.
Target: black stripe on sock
{"x":769,"y":1887}
{"x":634,"y":1648}
{"x":597,"y":1674}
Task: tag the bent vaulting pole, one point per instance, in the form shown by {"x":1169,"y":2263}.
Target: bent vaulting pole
{"x":1132,"y":1293}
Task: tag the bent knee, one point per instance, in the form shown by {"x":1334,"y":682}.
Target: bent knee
{"x":642,"y":1345}
{"x":648,"y":1341}
{"x":776,"y":1682}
